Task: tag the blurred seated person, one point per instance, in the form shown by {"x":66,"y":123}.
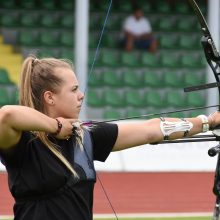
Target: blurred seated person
{"x":137,"y":32}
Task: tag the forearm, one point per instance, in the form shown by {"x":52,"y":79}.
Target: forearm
{"x":196,"y":128}
{"x":21,"y":118}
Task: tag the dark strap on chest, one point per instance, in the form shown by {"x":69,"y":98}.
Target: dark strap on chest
{"x":70,"y":182}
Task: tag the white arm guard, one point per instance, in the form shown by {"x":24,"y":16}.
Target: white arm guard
{"x":168,"y":127}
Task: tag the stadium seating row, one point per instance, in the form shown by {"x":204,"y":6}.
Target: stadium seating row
{"x":169,"y":60}
{"x":37,"y":4}
{"x":66,"y":39}
{"x":39,"y":19}
{"x":160,"y":6}
{"x":134,"y":98}
{"x":119,"y":59}
{"x":145,"y":78}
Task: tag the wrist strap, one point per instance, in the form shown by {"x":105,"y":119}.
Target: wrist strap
{"x":59,"y":127}
{"x":205,"y":122}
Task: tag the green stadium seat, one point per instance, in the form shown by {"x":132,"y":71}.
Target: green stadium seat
{"x":113,"y":98}
{"x":110,"y":58}
{"x":67,"y":53}
{"x":163,"y":7}
{"x":95,"y":99}
{"x":125,"y":6}
{"x":4,"y":96}
{"x":185,"y":25}
{"x":129,"y":59}
{"x":202,"y":61}
{"x":113,"y":24}
{"x":28,"y":4}
{"x":165,"y":24}
{"x":182,"y":8}
{"x":109,"y":41}
{"x":168,"y":41}
{"x":95,"y":79}
{"x":103,"y":5}
{"x":172,"y":79}
{"x":149,"y":60}
{"x":112,"y":114}
{"x":93,"y":6}
{"x":48,"y":4}
{"x":67,"y":21}
{"x":28,"y":38}
{"x":193,"y":79}
{"x":195,"y":99}
{"x":49,"y":20}
{"x":4,"y":77}
{"x":190,"y":61}
{"x":49,"y":38}
{"x":152,"y":79}
{"x":94,"y":23}
{"x":132,"y":79}
{"x":134,"y":99}
{"x":67,"y":39}
{"x":169,"y":60}
{"x":153,"y":99}
{"x":9,"y":4}
{"x":67,"y":5}
{"x":189,"y":43}
{"x":93,"y":41}
{"x":9,"y":20}
{"x":28,"y":20}
{"x":174,"y":99}
{"x":146,"y":7}
{"x":112,"y":78}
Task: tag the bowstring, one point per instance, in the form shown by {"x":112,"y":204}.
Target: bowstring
{"x":98,"y":46}
{"x":89,"y":75}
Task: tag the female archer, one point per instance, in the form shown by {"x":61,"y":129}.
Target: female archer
{"x":49,"y":153}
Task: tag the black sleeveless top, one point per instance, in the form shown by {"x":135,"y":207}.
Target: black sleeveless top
{"x":43,"y":188}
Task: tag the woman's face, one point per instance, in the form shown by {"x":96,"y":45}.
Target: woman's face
{"x":68,"y":101}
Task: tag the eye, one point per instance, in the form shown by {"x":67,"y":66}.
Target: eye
{"x":75,"y":89}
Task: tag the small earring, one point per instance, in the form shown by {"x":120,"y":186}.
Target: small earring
{"x":52,"y":102}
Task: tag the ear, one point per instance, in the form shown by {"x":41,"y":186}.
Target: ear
{"x":48,"y":98}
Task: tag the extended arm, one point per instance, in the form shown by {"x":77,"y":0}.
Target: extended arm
{"x":139,"y":133}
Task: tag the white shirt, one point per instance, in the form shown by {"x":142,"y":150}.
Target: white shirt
{"x":137,"y":27}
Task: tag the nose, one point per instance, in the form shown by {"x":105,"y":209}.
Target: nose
{"x":81,"y":95}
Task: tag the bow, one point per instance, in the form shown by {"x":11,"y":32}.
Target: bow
{"x":213,"y":59}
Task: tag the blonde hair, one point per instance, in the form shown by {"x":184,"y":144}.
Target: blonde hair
{"x":37,"y":76}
